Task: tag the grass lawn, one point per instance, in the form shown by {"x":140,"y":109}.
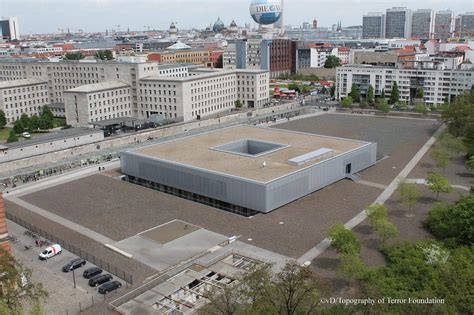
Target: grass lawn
{"x":4,"y":133}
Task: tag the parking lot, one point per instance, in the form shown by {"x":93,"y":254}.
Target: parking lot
{"x":58,"y":284}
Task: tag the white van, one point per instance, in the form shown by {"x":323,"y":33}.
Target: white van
{"x":50,"y":251}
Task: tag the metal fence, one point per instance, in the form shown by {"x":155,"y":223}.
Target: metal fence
{"x":128,"y":278}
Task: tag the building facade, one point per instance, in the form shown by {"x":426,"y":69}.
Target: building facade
{"x":373,"y":25}
{"x":97,"y":102}
{"x":398,"y":23}
{"x":9,"y":29}
{"x":423,"y":24}
{"x":26,"y":96}
{"x":444,"y":24}
{"x":466,"y":24}
{"x":437,"y":85}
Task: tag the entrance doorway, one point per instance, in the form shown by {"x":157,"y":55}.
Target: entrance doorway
{"x":349,"y":168}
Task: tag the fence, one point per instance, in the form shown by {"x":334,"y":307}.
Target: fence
{"x":128,"y":278}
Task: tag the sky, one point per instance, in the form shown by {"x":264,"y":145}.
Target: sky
{"x":46,"y":16}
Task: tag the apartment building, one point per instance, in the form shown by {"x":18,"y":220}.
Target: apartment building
{"x":91,"y":103}
{"x":26,"y":96}
{"x":437,"y":85}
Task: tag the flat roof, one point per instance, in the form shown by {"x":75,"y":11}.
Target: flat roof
{"x":201,"y":73}
{"x":199,"y":151}
{"x":98,"y":87}
{"x":54,"y":136}
{"x":114,"y":121}
{"x":23,"y":82}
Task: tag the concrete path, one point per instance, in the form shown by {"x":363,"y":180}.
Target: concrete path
{"x":422,"y":181}
{"x":371,"y":184}
{"x":359,"y":218}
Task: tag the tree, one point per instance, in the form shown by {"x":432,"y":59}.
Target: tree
{"x":386,"y":230}
{"x":347,"y":102}
{"x":332,"y":90}
{"x":382,"y":96}
{"x":395,"y":93}
{"x":401,"y":105}
{"x":46,"y":112}
{"x":34,"y":123}
{"x":12,"y":137}
{"x":74,"y":56}
{"x":294,"y":86}
{"x":355,"y":93}
{"x":421,"y":108}
{"x":3,"y":119}
{"x":419,"y":93}
{"x":17,"y":287}
{"x":332,"y":62}
{"x":220,"y":62}
{"x":377,"y":216}
{"x":441,"y":159}
{"x":409,"y":195}
{"x":104,"y":55}
{"x":470,"y":164}
{"x":343,"y":240}
{"x":25,"y":121}
{"x":364,"y":104}
{"x":370,"y":94}
{"x":18,"y":127}
{"x":238,"y":104}
{"x":382,"y":105}
{"x":437,"y":183}
{"x":453,"y":223}
{"x":375,"y":213}
{"x":350,"y":267}
{"x":225,"y":300}
{"x":459,"y":116}
{"x":451,"y":143}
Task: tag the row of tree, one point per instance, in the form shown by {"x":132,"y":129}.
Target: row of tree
{"x":32,"y":123}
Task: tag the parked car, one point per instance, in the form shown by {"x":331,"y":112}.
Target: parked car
{"x":100,"y":279}
{"x":109,"y":287}
{"x":50,"y":251}
{"x":26,"y":135}
{"x":91,"y":272}
{"x":74,"y":264}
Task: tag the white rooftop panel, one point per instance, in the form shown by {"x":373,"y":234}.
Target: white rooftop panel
{"x":310,"y":156}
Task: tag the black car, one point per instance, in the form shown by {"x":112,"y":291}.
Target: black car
{"x":74,"y":264}
{"x":91,"y":272}
{"x":100,"y":279}
{"x":109,"y":286}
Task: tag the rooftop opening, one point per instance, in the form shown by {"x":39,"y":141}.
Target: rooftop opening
{"x":249,"y":147}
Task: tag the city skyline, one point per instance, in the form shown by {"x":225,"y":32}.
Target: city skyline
{"x":48,"y":16}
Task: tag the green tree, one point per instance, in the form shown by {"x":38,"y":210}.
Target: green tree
{"x":220,"y":62}
{"x":437,"y":183}
{"x":382,"y":96}
{"x":332,"y":62}
{"x":453,"y":223}
{"x":74,"y":56}
{"x":238,"y":104}
{"x":441,"y":159}
{"x":459,"y":116}
{"x":375,"y":213}
{"x":104,"y":55}
{"x":18,"y":126}
{"x":25,"y":121}
{"x":17,"y":286}
{"x":401,"y":105}
{"x":386,"y":230}
{"x":421,"y":108}
{"x":409,"y":195}
{"x":355,"y":93}
{"x":46,"y":112}
{"x":34,"y":123}
{"x":343,"y":240}
{"x":347,"y":102}
{"x":332,"y":90}
{"x":370,"y":94}
{"x":382,"y":105}
{"x":470,"y":164}
{"x":419,"y":93}
{"x":395,"y":93}
{"x":451,"y":143}
{"x":350,"y":267}
{"x":3,"y":119}
{"x":12,"y":137}
{"x":294,"y":86}
{"x":364,"y":104}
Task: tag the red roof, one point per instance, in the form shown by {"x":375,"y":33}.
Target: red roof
{"x":462,"y":48}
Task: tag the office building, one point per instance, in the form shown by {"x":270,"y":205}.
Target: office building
{"x":437,"y":85}
{"x":247,"y":170}
{"x":373,"y":25}
{"x":398,"y":23}
{"x":444,"y":24}
{"x":423,"y":24}
{"x":467,"y":24}
{"x":9,"y":29}
{"x":26,"y":96}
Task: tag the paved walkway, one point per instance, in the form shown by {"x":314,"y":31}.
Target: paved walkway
{"x":371,"y":184}
{"x":422,"y":181}
{"x":359,"y":218}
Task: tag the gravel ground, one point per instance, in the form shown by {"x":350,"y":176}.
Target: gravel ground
{"x":399,"y":139}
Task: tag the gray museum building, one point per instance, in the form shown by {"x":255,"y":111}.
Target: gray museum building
{"x":244,"y":169}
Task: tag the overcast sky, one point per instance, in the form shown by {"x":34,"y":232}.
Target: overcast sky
{"x":44,"y":16}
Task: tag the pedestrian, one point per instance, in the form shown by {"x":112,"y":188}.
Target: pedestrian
{"x":36,"y":242}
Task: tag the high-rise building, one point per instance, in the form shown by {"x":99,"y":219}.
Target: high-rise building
{"x":422,"y":23}
{"x":9,"y":28}
{"x":306,"y":26}
{"x":467,"y":24}
{"x":315,"y":24}
{"x":444,"y":24}
{"x":373,"y":25}
{"x":398,"y":23}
